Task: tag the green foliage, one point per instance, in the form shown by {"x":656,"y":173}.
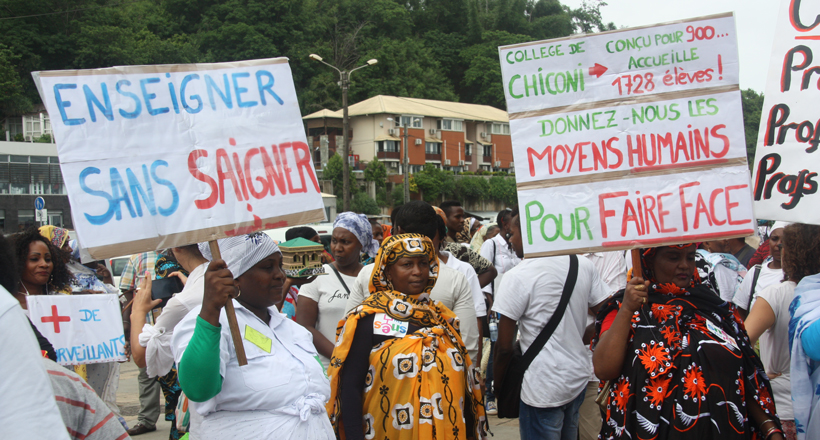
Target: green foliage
{"x":375,"y":171}
{"x":363,"y":204}
{"x":752,"y":108}
{"x":472,"y":188}
{"x":397,"y":196}
{"x":504,"y":190}
{"x":19,"y":137}
{"x":334,"y":171}
{"x":44,"y":139}
{"x":381,"y":198}
{"x":587,"y":18}
{"x":435,"y":49}
{"x":432,"y":181}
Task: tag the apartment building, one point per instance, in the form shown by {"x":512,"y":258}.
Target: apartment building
{"x":452,"y":135}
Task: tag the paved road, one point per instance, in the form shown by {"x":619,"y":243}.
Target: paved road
{"x":128,"y":401}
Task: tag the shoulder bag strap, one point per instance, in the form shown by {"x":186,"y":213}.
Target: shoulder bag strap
{"x":556,"y":317}
{"x":492,"y":283}
{"x":339,"y":276}
{"x":758,"y":268}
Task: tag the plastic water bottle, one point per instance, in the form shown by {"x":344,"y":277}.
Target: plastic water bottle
{"x":493,"y":328}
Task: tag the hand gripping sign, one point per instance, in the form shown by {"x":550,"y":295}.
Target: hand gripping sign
{"x":630,"y":138}
{"x":167,"y":155}
{"x":787,"y":159}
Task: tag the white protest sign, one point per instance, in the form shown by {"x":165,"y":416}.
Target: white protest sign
{"x":84,"y":329}
{"x":629,"y":138}
{"x":787,"y":159}
{"x":166,"y":155}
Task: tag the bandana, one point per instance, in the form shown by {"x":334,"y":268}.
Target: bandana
{"x":399,"y":246}
{"x":359,"y":226}
{"x":242,"y":252}
{"x":480,"y":236}
{"x":780,"y":224}
{"x":57,"y":236}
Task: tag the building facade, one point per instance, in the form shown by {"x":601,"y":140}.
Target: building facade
{"x":29,"y":170}
{"x":451,"y":135}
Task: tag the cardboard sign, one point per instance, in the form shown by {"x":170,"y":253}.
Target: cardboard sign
{"x":167,"y":155}
{"x":84,"y":329}
{"x":787,"y":159}
{"x":629,"y":138}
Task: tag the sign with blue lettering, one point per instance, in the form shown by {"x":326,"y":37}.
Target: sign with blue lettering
{"x":39,"y":203}
{"x":84,"y":329}
{"x":180,"y":154}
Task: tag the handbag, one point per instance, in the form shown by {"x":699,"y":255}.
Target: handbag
{"x":183,"y":413}
{"x":508,"y":389}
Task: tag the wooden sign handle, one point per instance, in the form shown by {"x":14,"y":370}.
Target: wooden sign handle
{"x":637,"y":270}
{"x":231,"y":314}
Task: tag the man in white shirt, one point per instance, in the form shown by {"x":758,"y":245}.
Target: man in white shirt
{"x":770,"y":273}
{"x":611,"y":266}
{"x":555,"y":383}
{"x":497,"y":250}
{"x":452,"y":287}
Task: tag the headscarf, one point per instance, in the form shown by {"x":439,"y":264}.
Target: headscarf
{"x":779,"y":224}
{"x":396,"y":247}
{"x":805,"y":372}
{"x":359,"y":226}
{"x":674,"y":376}
{"x":479,"y":237}
{"x":56,"y":235}
{"x":425,"y":371}
{"x":166,"y":265}
{"x":242,"y":252}
{"x":75,"y":249}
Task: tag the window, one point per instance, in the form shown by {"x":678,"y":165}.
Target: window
{"x":408,"y":121}
{"x":432,"y":148}
{"x":451,"y":124}
{"x":37,"y":177}
{"x":500,"y":129}
{"x":55,"y":217}
{"x":488,"y":150}
{"x":415,"y":169}
{"x":388,"y":146}
{"x":14,"y":126}
{"x":25,"y":219}
{"x":468,"y":150}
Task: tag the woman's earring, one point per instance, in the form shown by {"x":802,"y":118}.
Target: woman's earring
{"x":240,"y":292}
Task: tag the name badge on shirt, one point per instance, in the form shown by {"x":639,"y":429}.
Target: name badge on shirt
{"x":384,"y":325}
{"x":258,"y":339}
{"x":717,"y":331}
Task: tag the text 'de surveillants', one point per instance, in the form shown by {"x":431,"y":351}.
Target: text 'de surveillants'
{"x":629,"y":138}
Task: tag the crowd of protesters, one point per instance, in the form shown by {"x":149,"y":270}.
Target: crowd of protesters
{"x":413,"y":330}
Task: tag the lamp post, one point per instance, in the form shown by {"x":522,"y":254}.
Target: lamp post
{"x":405,"y":161}
{"x":344,"y":83}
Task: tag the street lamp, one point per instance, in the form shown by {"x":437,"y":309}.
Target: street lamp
{"x":406,"y":161}
{"x":344,"y":83}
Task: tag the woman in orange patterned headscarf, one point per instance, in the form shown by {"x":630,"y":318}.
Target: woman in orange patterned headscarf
{"x":400,"y":369}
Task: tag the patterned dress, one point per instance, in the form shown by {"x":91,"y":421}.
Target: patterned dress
{"x":421,"y":384}
{"x":689,"y":370}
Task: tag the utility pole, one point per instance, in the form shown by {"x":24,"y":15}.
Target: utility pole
{"x":344,"y":83}
{"x":406,"y":166}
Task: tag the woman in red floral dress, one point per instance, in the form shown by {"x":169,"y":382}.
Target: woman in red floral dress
{"x":678,"y":358}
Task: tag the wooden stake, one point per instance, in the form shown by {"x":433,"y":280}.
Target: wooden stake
{"x":637,"y":270}
{"x":231,"y":314}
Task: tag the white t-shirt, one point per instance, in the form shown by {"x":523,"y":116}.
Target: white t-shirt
{"x":29,"y":409}
{"x":611,"y":266}
{"x":768,"y":277}
{"x":530,"y":294}
{"x":774,"y":346}
{"x":331,"y":296}
{"x":451,"y":289}
{"x":505,"y":259}
{"x":472,"y":280}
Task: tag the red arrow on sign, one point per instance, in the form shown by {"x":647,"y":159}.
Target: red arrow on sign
{"x":597,"y":70}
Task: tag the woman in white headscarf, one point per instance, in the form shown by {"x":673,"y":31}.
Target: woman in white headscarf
{"x":322,"y":302}
{"x":282,"y":391}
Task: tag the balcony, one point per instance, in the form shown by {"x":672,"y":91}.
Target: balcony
{"x":389,"y":155}
{"x":428,"y":156}
{"x":468,"y":158}
{"x":486,"y":159}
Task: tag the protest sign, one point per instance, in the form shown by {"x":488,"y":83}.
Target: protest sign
{"x":629,"y":138}
{"x":787,"y":159}
{"x":168,"y":155}
{"x":84,"y":329}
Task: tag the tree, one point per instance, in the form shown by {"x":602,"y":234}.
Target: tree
{"x":752,"y":107}
{"x":471,"y":189}
{"x":431,"y":181}
{"x":333,"y":171}
{"x":375,"y":171}
{"x":503,"y":189}
{"x":363,"y":204}
{"x":587,"y":19}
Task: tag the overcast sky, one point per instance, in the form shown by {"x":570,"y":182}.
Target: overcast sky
{"x":755,"y":26}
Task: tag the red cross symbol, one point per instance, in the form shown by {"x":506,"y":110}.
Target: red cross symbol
{"x":55,"y":318}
